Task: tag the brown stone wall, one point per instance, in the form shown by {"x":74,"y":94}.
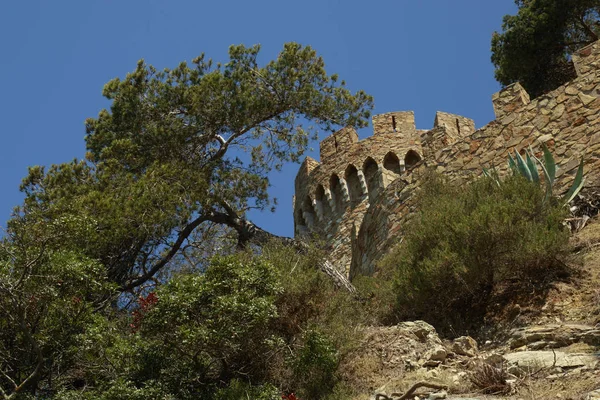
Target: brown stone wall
{"x":566,"y":119}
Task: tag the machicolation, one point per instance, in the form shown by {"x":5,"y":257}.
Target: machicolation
{"x":358,"y":196}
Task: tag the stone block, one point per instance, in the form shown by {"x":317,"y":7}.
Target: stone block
{"x":401,"y":122}
{"x":509,"y":99}
{"x":587,"y":59}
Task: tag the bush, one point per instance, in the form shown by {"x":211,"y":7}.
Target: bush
{"x":315,"y":365}
{"x":468,"y":239}
{"x":317,"y":320}
{"x":215,"y":326}
{"x":247,"y":325}
{"x":238,"y":390}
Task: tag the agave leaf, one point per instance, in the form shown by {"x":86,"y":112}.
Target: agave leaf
{"x":546,"y":176}
{"x":550,"y":164}
{"x":523,"y":169}
{"x":493,"y":175}
{"x":577,"y":184}
{"x":532,"y":168}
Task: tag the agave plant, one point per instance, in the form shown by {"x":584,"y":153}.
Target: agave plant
{"x":527,"y":168}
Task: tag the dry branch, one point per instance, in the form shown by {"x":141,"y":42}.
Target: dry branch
{"x":410,"y":392}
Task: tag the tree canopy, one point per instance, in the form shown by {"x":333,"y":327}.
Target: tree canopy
{"x":535,"y":45}
{"x":186,"y":148}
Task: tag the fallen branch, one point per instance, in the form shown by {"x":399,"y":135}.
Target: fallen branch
{"x":250,"y":232}
{"x":410,"y":392}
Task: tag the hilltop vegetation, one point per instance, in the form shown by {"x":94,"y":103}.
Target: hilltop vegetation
{"x":135,"y":274}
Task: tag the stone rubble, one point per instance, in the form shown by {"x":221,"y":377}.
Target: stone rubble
{"x":398,"y":347}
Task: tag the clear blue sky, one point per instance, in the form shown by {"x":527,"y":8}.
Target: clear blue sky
{"x":421,"y":55}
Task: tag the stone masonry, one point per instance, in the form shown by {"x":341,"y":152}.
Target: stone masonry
{"x":359,"y":196}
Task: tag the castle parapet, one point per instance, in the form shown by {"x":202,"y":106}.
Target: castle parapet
{"x":399,"y":121}
{"x":509,"y":99}
{"x":456,"y":126}
{"x":359,"y":198}
{"x":303,"y":175}
{"x":587,"y":59}
{"x":337,"y":143}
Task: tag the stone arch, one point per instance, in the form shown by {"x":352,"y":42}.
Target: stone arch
{"x":355,"y":191}
{"x":323,"y":202}
{"x":391,"y":168}
{"x":372,"y":178}
{"x":411,"y":159}
{"x":300,"y":222}
{"x":391,"y":162}
{"x":335,"y":186}
{"x":308,"y":212}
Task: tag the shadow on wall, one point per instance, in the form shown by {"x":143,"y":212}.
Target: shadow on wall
{"x":355,"y":191}
{"x":372,"y":178}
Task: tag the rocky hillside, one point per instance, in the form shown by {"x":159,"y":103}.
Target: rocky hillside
{"x":547,"y":348}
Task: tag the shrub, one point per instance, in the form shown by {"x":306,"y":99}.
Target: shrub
{"x":247,"y":325}
{"x":215,"y":325}
{"x":467,"y":239}
{"x":315,"y":365}
{"x":238,"y":390}
{"x":317,"y":320}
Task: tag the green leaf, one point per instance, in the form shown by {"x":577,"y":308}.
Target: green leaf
{"x":492,"y":174}
{"x":577,"y":184}
{"x":522,"y":166}
{"x":549,"y":182}
{"x":532,"y":168}
{"x":550,"y":165}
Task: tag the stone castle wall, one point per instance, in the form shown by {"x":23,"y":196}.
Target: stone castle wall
{"x":360,"y":195}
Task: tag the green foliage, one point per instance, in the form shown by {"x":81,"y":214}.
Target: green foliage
{"x":528,"y":170}
{"x":317,"y":321}
{"x":217,"y":322}
{"x":467,"y":240}
{"x":247,"y":323}
{"x":187,"y":147}
{"x":381,"y":295}
{"x":47,"y":299}
{"x":238,"y":390}
{"x":309,"y":297}
{"x":119,"y":390}
{"x":170,"y":172}
{"x":535,"y":45}
{"x":315,"y":364}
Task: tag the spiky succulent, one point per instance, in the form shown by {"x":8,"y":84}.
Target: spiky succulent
{"x":527,"y":168}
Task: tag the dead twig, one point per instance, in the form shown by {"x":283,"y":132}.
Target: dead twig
{"x":489,"y":379}
{"x":410,"y":392}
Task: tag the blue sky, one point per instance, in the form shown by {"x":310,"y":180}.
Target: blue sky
{"x":421,"y":55}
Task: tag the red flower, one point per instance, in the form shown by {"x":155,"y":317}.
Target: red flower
{"x":144,"y":304}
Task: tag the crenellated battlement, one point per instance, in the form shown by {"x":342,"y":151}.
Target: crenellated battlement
{"x":359,"y":195}
{"x":333,"y":195}
{"x":394,"y":122}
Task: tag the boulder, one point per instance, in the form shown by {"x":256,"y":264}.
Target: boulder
{"x":438,"y":353}
{"x":421,"y":329}
{"x":465,"y":346}
{"x":552,"y":336}
{"x":534,"y":360}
